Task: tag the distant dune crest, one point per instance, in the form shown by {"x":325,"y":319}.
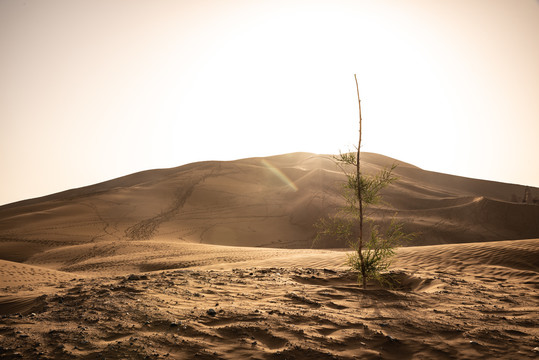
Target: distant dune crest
{"x":268,"y":202}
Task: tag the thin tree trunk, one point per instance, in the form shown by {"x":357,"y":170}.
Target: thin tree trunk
{"x":359,"y":195}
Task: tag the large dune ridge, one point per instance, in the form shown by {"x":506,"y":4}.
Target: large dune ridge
{"x":260,"y":202}
{"x":214,"y":260}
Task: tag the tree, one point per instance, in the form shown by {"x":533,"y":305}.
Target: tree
{"x":371,"y":255}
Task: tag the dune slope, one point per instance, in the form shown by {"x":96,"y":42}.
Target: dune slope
{"x":270,"y":202}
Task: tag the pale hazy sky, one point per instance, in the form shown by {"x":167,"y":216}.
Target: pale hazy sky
{"x":96,"y":89}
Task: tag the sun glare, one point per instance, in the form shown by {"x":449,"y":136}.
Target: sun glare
{"x":280,"y":175}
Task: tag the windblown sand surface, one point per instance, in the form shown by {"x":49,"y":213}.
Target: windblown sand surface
{"x":213,"y":261}
{"x":464,"y":301}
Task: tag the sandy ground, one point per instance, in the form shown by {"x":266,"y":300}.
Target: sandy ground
{"x":213,"y":260}
{"x":461,"y":301}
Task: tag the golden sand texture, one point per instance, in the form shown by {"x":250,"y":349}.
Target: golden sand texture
{"x":454,"y":301}
{"x":213,"y":260}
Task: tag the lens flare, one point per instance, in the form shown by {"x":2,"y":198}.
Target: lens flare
{"x":279,"y":174}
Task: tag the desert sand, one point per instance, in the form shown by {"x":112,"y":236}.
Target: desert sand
{"x":214,"y":260}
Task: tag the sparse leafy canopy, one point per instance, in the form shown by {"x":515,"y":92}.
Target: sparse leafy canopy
{"x":371,"y":256}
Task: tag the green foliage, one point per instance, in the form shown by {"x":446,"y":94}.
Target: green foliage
{"x":370,"y":186}
{"x":377,"y":252}
{"x":372,"y":255}
{"x":335,"y":230}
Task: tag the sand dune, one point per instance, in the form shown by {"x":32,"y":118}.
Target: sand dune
{"x":213,"y":260}
{"x":13,"y":274}
{"x":270,"y":201}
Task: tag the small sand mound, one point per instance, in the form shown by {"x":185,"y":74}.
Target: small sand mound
{"x":22,"y":304}
{"x":517,"y":258}
{"x":406,"y":282}
{"x":14,"y":275}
